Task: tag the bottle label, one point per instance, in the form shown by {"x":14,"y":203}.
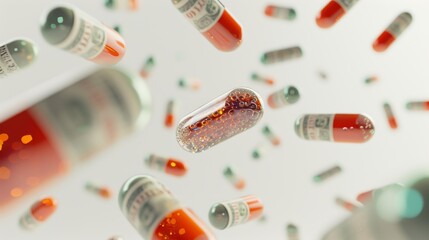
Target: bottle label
{"x":238,"y":212}
{"x":7,"y":64}
{"x":203,"y":14}
{"x":317,"y":127}
{"x":347,"y":4}
{"x":399,"y":24}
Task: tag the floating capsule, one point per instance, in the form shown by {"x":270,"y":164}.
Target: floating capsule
{"x":122,"y":4}
{"x":147,"y":67}
{"x":38,"y":213}
{"x":170,"y":114}
{"x":213,"y":21}
{"x":258,"y":78}
{"x":390,"y":116}
{"x":327,"y":174}
{"x":333,"y":12}
{"x":76,"y":32}
{"x":292,"y":232}
{"x":16,"y":55}
{"x":117,"y":28}
{"x":116,"y":238}
{"x":346,"y":204}
{"x":192,"y":83}
{"x":274,"y":139}
{"x":281,"y":55}
{"x":238,"y":211}
{"x":422,"y":105}
{"x":369,"y":195}
{"x":371,"y":79}
{"x":237,"y":181}
{"x":322,"y":75}
{"x":392,"y":32}
{"x":103,"y":192}
{"x":220,"y":119}
{"x":156,"y":214}
{"x":167,"y":165}
{"x":283,"y":97}
{"x":280,"y":12}
{"x":259,"y":151}
{"x":351,"y":128}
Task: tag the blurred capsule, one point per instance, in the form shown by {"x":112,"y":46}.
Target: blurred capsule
{"x":371,"y":79}
{"x":168,"y":165}
{"x":258,"y":78}
{"x":346,"y":204}
{"x":187,"y":82}
{"x":390,"y":116}
{"x":274,"y":139}
{"x":238,"y":211}
{"x":281,"y":55}
{"x":392,"y":32}
{"x":16,"y":55}
{"x":333,"y":12}
{"x":351,"y":128}
{"x":116,"y":238}
{"x":76,"y":32}
{"x":170,"y":114}
{"x":327,"y":174}
{"x":147,"y":67}
{"x":292,"y":232}
{"x":219,"y":120}
{"x":259,"y":152}
{"x":38,"y":213}
{"x":322,"y":75}
{"x":122,"y":4}
{"x":422,"y":105}
{"x":237,"y":181}
{"x":156,"y":214}
{"x":117,"y":28}
{"x":369,"y":195}
{"x":103,"y":192}
{"x":280,"y":12}
{"x":283,"y":97}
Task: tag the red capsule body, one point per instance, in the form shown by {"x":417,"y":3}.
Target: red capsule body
{"x":168,"y":165}
{"x":392,"y":32}
{"x":170,"y":114}
{"x":333,"y":12}
{"x":390,"y":116}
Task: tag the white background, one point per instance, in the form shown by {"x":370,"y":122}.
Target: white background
{"x":283,"y":178}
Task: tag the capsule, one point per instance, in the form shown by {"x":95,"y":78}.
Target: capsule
{"x":371,"y":79}
{"x":122,"y":4}
{"x":369,"y":195}
{"x":333,"y":12}
{"x":237,"y":181}
{"x":419,"y":106}
{"x":156,"y":214}
{"x":191,"y":83}
{"x":116,"y":238}
{"x":273,"y":138}
{"x":147,"y":67}
{"x":76,"y":32}
{"x":322,"y":75}
{"x":117,"y":28}
{"x":170,"y":114}
{"x":292,"y":232}
{"x":16,"y":55}
{"x":220,"y":119}
{"x":38,"y":213}
{"x":259,"y":152}
{"x":168,"y":165}
{"x":258,"y":78}
{"x":101,"y":191}
{"x":390,"y":116}
{"x":280,"y":12}
{"x":281,"y":55}
{"x":350,"y":128}
{"x":327,"y":174}
{"x":346,"y":204}
{"x":238,"y":211}
{"x":213,"y":21}
{"x":392,"y":32}
{"x":283,"y":97}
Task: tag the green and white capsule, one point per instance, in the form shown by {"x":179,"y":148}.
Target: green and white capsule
{"x":283,"y":97}
{"x":333,"y":171}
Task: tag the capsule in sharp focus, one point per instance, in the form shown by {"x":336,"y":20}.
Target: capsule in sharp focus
{"x":279,"y":12}
{"x":419,"y":106}
{"x":16,"y":55}
{"x":333,"y":12}
{"x":168,"y":165}
{"x":238,"y":211}
{"x":351,"y":128}
{"x":281,"y":55}
{"x":390,"y":116}
{"x":327,"y":174}
{"x":392,"y":32}
{"x":38,"y":213}
{"x":283,"y":97}
{"x":237,"y":181}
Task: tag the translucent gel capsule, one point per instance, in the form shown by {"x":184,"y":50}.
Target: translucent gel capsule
{"x":390,"y":116}
{"x":213,"y":21}
{"x":268,"y":133}
{"x":147,"y":67}
{"x":238,"y":211}
{"x":170,"y":115}
{"x":346,"y":204}
{"x":281,"y":55}
{"x":187,"y":83}
{"x":168,"y":165}
{"x":283,"y":97}
{"x":369,"y":195}
{"x":122,"y":4}
{"x":156,"y":214}
{"x":292,"y":232}
{"x":237,"y":181}
{"x":419,"y":106}
{"x":333,"y":171}
{"x":351,"y":128}
{"x":220,"y":119}
{"x":101,"y":191}
{"x":258,"y":78}
{"x":16,"y":55}
{"x":38,"y":213}
{"x":76,"y":32}
{"x":333,"y":12}
{"x":392,"y":32}
{"x":279,"y":12}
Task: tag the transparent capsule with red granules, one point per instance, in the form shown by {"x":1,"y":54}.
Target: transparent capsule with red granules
{"x":333,"y":12}
{"x":292,"y":232}
{"x":237,"y":181}
{"x":418,"y":105}
{"x":281,"y":55}
{"x":170,"y":115}
{"x":213,"y":21}
{"x":122,"y":4}
{"x":38,"y":213}
{"x":227,"y":214}
{"x":16,"y":55}
{"x":168,"y":165}
{"x":333,"y":171}
{"x":279,"y":12}
{"x":392,"y":32}
{"x":147,"y":67}
{"x":369,"y":195}
{"x":283,"y":97}
{"x":259,"y":78}
{"x":76,"y":32}
{"x":350,"y":128}
{"x":101,"y":191}
{"x":222,"y":118}
{"x":390,"y":116}
{"x":156,"y":214}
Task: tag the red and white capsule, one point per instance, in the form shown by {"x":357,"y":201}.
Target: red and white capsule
{"x":237,"y":181}
{"x":259,"y":78}
{"x":390,"y":116}
{"x":350,"y":128}
{"x":170,"y":115}
{"x":365,"y":197}
{"x":168,"y":165}
{"x":279,"y":12}
{"x":392,"y":32}
{"x":38,"y":213}
{"x":333,"y":12}
{"x":101,"y":191}
{"x":419,"y":106}
{"x":271,"y":136}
